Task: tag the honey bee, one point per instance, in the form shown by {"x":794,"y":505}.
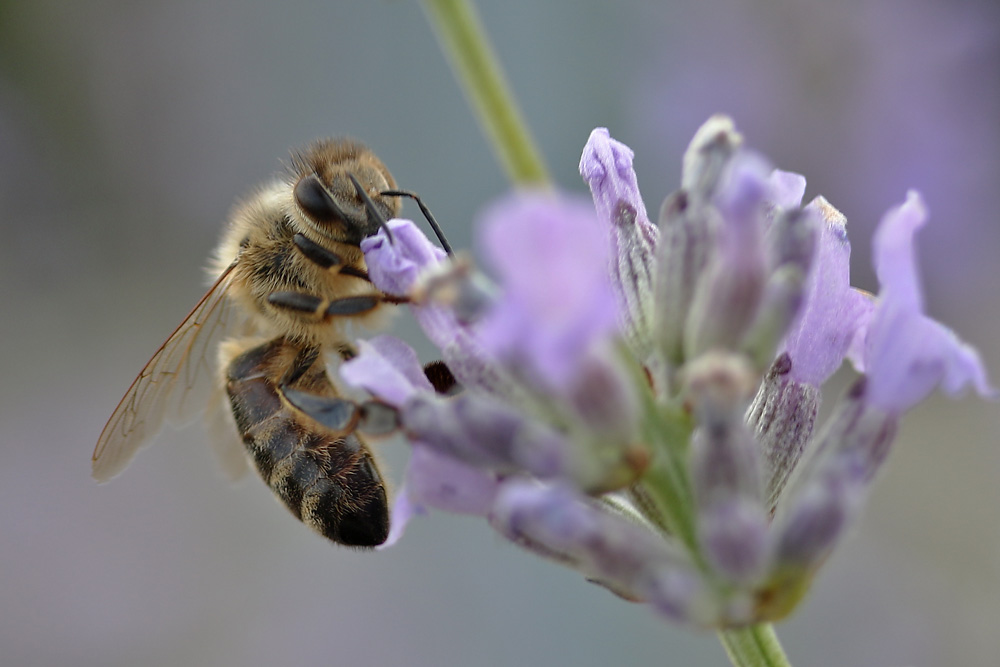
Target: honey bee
{"x":289,"y":273}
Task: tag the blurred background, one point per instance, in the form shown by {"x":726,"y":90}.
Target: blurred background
{"x":128,"y":129}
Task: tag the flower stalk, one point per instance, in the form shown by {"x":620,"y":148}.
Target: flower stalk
{"x":756,"y":646}
{"x":468,"y":49}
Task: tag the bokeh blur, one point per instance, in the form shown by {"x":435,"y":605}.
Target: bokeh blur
{"x":127,"y":129}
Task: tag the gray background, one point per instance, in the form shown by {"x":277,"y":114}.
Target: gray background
{"x":126,"y":131}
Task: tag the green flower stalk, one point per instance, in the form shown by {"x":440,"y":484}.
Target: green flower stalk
{"x":468,"y":49}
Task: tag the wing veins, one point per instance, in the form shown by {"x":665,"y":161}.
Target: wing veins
{"x":143,"y":409}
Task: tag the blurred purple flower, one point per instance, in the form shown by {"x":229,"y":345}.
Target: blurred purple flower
{"x":440,"y":482}
{"x":634,"y":401}
{"x":388,"y":368}
{"x":549,"y":252}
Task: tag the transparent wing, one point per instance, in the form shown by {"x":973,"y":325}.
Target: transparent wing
{"x":224,"y":437}
{"x":174,"y":385}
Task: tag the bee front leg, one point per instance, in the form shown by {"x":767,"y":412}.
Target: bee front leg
{"x":325,"y":258}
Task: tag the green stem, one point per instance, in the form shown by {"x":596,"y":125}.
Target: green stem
{"x":467,"y":48}
{"x":756,"y":646}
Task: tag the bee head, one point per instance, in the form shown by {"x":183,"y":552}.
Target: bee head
{"x":338,"y":188}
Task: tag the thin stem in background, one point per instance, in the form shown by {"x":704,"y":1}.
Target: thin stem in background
{"x":467,"y":48}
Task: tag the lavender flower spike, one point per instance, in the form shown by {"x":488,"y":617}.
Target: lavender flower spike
{"x":605,"y":413}
{"x":907,"y":354}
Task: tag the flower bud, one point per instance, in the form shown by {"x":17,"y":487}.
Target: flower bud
{"x":606,"y":166}
{"x":782,"y":417}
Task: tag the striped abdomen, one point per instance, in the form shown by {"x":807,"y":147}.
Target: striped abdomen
{"x":328,"y":480}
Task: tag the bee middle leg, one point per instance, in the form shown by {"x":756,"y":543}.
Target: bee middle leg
{"x":325,"y":309}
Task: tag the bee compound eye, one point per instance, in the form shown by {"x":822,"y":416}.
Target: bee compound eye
{"x":315,"y":201}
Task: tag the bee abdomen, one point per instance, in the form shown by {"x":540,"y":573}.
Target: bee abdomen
{"x":329,"y":482}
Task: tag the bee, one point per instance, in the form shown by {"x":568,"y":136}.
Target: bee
{"x":289,"y":274}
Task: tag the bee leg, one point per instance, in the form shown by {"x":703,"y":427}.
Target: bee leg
{"x":326,"y":259}
{"x":356,"y":305}
{"x":336,"y":414}
{"x":343,"y":416}
{"x":304,"y":360}
{"x":340,"y":415}
{"x":310,"y":304}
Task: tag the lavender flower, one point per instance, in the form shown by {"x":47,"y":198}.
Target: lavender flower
{"x":639,"y":402}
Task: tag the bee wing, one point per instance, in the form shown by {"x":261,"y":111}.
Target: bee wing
{"x":223,"y":436}
{"x":171,"y":384}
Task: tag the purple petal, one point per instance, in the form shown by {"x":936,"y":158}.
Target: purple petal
{"x":907,"y":354}
{"x":446,"y":484}
{"x":393,"y":266}
{"x":894,"y":256}
{"x":744,"y":185}
{"x":436,"y":481}
{"x":551,"y":254}
{"x":786,"y":189}
{"x":606,"y":166}
{"x":403,"y":509}
{"x":388,"y":368}
{"x":833,"y":312}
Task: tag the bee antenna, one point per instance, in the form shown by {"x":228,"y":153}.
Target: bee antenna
{"x":373,"y":212}
{"x":427,"y":215}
